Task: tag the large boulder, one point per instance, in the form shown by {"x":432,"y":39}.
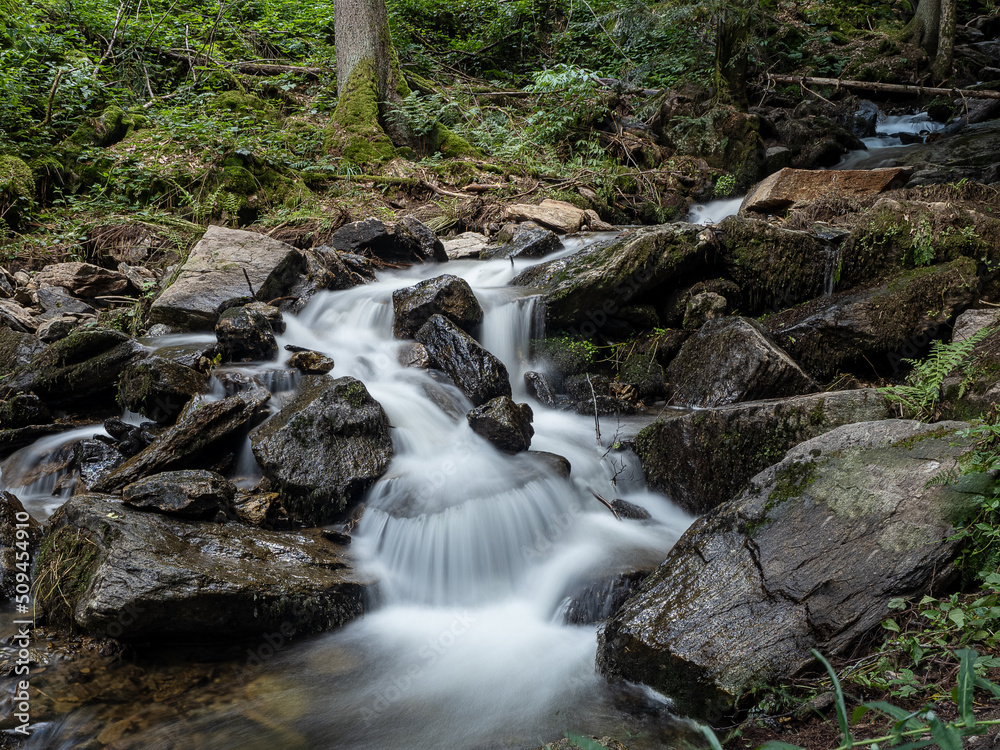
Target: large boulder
{"x":194,"y":493}
{"x":807,"y":557}
{"x":199,"y":439}
{"x":16,"y":317}
{"x":478,"y":374}
{"x":419,"y":240}
{"x":324,"y":448}
{"x":158,"y":388}
{"x":465,"y":246}
{"x":140,"y":576}
{"x":527,"y":240}
{"x":82,"y":279}
{"x":784,"y":189}
{"x":84,"y":366}
{"x":20,"y":535}
{"x":16,"y":350}
{"x":731,"y":360}
{"x":504,"y":423}
{"x":868,"y":329}
{"x":445,"y":295}
{"x":591,"y":286}
{"x":245,"y":335}
{"x":212,"y":279}
{"x":558,"y":215}
{"x":681,"y":456}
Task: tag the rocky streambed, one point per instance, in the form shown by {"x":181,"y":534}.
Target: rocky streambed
{"x":389,"y":491}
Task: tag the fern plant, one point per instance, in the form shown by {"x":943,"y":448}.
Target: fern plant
{"x":921,"y":392}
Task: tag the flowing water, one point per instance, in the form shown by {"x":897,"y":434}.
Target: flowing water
{"x":887,"y":141}
{"x":477,"y":552}
{"x":714,"y":211}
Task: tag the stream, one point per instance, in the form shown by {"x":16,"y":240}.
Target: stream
{"x":480,"y":557}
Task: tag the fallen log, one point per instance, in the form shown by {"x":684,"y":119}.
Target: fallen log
{"x":888,"y":88}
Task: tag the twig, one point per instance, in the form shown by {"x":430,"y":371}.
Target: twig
{"x":52,"y":96}
{"x":434,"y":188}
{"x":246,"y":276}
{"x":111,"y":42}
{"x":606,"y":504}
{"x":597,"y":420}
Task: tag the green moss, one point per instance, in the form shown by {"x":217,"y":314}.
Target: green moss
{"x":354,"y":393}
{"x":354,"y":131}
{"x":241,"y":103}
{"x":17,"y":191}
{"x":449,"y":144}
{"x":789,"y":482}
{"x":239,"y":180}
{"x":65,"y":564}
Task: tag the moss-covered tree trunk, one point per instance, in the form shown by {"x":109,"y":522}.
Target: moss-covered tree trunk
{"x":932,"y":28}
{"x":732,"y":53}
{"x":946,"y":39}
{"x":369,"y":84}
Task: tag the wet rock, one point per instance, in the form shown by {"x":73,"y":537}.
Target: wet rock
{"x":814,"y":139}
{"x":57,"y":302}
{"x":263,"y":509}
{"x":807,"y":557}
{"x":465,"y":246}
{"x":359,"y":237}
{"x":158,"y":388}
{"x":20,"y":535}
{"x":212,"y":278}
{"x":323,"y":268}
{"x":131,"y":439}
{"x":598,"y":600}
{"x":590,"y":286}
{"x":504,"y":423}
{"x":58,"y":328}
{"x":324,"y":448}
{"x":597,"y":393}
{"x":971,"y":322}
{"x":193,"y":494}
{"x":731,"y":360}
{"x":141,"y":576}
{"x":22,"y":410}
{"x":445,"y":295}
{"x":558,"y":215}
{"x":783,"y":190}
{"x":681,"y":456}
{"x":870,"y":328}
{"x":15,"y":317}
{"x":974,"y":391}
{"x":702,"y":308}
{"x":527,"y":240}
{"x":558,"y":465}
{"x":413,"y":354}
{"x":83,"y":279}
{"x":540,"y":388}
{"x":419,"y":241}
{"x":476,"y":372}
{"x":311,"y":363}
{"x":94,"y":458}
{"x":625,"y":509}
{"x":197,"y":440}
{"x":245,"y":335}
{"x":84,"y":366}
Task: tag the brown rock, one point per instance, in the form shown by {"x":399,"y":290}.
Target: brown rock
{"x":83,"y":279}
{"x":557,"y":215}
{"x":784,"y":189}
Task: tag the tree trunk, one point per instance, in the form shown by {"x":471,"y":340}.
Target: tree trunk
{"x":732,"y":40}
{"x":924,"y":28}
{"x":369,"y":84}
{"x":946,"y":39}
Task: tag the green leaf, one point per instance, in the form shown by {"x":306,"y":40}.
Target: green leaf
{"x":966,"y":685}
{"x":895,"y":712}
{"x":957,"y":616}
{"x":845,"y":727}
{"x":891,"y":625}
{"x":983,"y":684}
{"x":945,"y":737}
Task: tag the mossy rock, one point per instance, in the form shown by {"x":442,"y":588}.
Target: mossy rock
{"x":17,"y":191}
{"x":241,"y":103}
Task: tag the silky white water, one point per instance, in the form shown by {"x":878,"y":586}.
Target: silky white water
{"x":476,"y":552}
{"x":714,"y":211}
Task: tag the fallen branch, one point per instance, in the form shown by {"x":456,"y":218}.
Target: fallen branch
{"x":439,"y":191}
{"x":475,"y":187}
{"x":597,"y":420}
{"x":608,"y":505}
{"x":888,"y":88}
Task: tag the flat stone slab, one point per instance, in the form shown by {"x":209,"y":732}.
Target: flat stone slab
{"x":787,"y":187}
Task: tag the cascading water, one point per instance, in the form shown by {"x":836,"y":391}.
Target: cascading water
{"x":476,"y":552}
{"x":714,"y":211}
{"x":888,"y":141}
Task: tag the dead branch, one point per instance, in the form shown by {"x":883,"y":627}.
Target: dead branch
{"x":888,"y":88}
{"x":606,"y":504}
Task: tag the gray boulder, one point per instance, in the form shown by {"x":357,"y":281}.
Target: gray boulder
{"x":212,"y":279}
{"x":525,"y":240}
{"x":702,"y":308}
{"x":140,"y":576}
{"x":416,"y":238}
{"x":540,"y":388}
{"x":16,"y":317}
{"x":198,"y":439}
{"x":504,"y":423}
{"x":20,"y":535}
{"x":159,"y":388}
{"x":476,"y":372}
{"x":445,"y":295}
{"x":807,"y":557}
{"x":245,"y":335}
{"x":193,"y":494}
{"x":16,"y":350}
{"x":731,"y":360}
{"x":82,"y":279}
{"x":311,"y":363}
{"x":681,"y":456}
{"x":324,"y":448}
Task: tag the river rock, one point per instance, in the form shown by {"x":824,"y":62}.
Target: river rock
{"x":84,"y":366}
{"x":539,"y":387}
{"x":20,"y":535}
{"x":973,"y":390}
{"x":807,"y":557}
{"x":23,"y":409}
{"x":869,"y":330}
{"x":445,"y":295}
{"x":198,"y":439}
{"x":731,"y":360}
{"x":324,"y":448}
{"x":504,"y":423}
{"x":58,"y":328}
{"x":527,"y":240}
{"x":15,"y":317}
{"x":783,"y":190}
{"x":590,"y":286}
{"x":681,"y":456}
{"x":212,"y":278}
{"x":140,"y":576}
{"x":311,"y":363}
{"x":413,"y":354}
{"x":83,"y":279}
{"x":159,"y":388}
{"x":465,"y":246}
{"x":476,"y":372}
{"x":186,"y":494}
{"x":419,"y":241}
{"x":558,"y":215}
{"x":17,"y":349}
{"x":57,"y":302}
{"x":358,"y":237}
{"x":702,"y":308}
{"x":971,"y":322}
{"x":94,"y":458}
{"x":245,"y":335}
